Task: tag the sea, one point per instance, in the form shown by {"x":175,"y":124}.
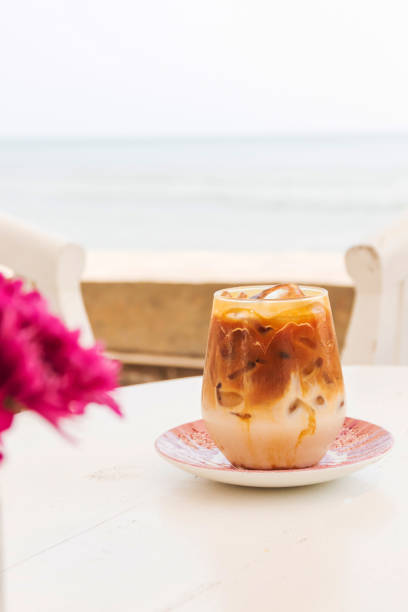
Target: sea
{"x":252,"y":194}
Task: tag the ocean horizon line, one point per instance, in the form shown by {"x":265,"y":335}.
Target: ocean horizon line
{"x":217,"y":138}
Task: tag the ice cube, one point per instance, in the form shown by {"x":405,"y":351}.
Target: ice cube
{"x":280,"y":292}
{"x":228,"y":399}
{"x":238,"y":314}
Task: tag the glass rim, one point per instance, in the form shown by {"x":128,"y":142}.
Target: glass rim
{"x":318,"y":293}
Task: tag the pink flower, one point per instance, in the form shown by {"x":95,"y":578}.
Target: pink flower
{"x":42,"y":365}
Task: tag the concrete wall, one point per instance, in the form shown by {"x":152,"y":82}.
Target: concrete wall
{"x":153,"y":309}
{"x":169,"y":319}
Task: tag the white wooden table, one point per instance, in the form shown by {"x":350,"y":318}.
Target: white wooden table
{"x":109,"y":526}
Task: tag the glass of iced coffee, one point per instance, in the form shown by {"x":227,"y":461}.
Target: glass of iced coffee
{"x":273,"y":394}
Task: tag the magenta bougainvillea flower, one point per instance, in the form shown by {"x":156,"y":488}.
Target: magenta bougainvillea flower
{"x":43,"y":367}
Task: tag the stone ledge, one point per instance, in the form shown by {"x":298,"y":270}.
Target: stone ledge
{"x":154,"y":308}
{"x":198,"y":267}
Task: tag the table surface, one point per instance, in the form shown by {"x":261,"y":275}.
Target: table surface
{"x":107,"y":525}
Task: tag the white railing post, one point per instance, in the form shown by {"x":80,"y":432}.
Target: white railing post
{"x":379,"y":323}
{"x":54,"y":265}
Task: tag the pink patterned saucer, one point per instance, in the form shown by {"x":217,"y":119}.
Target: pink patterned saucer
{"x":190,"y":448}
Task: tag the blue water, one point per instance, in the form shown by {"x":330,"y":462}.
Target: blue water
{"x":317,"y":193}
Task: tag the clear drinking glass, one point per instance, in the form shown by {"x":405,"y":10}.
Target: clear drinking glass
{"x":273,"y":394}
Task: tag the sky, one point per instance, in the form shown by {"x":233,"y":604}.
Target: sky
{"x":137,"y":68}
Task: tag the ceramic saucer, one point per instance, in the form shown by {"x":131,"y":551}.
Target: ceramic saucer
{"x":190,"y":448}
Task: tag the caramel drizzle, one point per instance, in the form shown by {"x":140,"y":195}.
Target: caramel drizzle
{"x":311,"y":423}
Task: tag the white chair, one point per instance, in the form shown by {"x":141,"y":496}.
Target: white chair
{"x":54,"y":266}
{"x":378,"y":330}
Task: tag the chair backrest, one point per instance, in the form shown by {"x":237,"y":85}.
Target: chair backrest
{"x":54,"y":266}
{"x":378,"y":331}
